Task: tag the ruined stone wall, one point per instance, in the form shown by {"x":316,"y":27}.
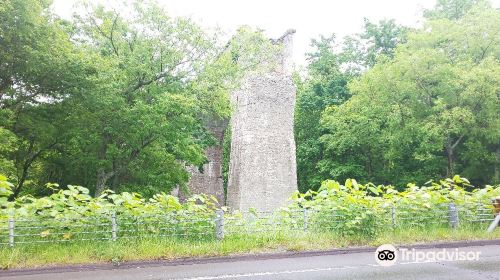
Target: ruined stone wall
{"x":262,"y":172}
{"x":209,"y":180}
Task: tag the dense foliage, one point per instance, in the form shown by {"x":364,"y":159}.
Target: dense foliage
{"x":350,"y":209}
{"x":119,"y":98}
{"x":73,"y":214}
{"x":112,"y":98}
{"x":370,"y":209}
{"x":427,"y":107}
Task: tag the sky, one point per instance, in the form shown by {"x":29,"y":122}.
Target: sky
{"x":309,"y":18}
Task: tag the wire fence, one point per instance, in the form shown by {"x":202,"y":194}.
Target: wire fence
{"x":349,"y":220}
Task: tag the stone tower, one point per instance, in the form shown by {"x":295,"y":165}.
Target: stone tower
{"x":262,"y":172}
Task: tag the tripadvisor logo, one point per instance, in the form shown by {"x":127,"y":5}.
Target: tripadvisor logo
{"x":387,"y":255}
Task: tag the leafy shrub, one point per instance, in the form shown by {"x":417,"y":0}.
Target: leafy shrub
{"x":356,"y":209}
{"x":351,"y":209}
{"x":73,"y":214}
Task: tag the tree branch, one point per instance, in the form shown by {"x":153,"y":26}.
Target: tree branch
{"x":457,"y":142}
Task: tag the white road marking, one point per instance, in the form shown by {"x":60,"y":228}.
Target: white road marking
{"x":415,"y":262}
{"x":251,"y":274}
{"x":242,"y":275}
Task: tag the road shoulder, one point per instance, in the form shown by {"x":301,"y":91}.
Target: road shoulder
{"x":234,"y":258}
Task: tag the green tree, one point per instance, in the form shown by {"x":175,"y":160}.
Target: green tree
{"x":453,"y":9}
{"x":331,"y":67}
{"x":362,"y":50}
{"x":112,"y":99}
{"x":160,"y":77}
{"x":39,"y":68}
{"x":326,"y":85}
{"x":429,"y":112}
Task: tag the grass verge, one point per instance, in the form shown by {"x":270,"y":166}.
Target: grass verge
{"x":40,"y":255}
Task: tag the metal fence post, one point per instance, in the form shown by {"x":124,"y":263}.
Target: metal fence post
{"x":393,"y":216}
{"x":11,"y":231}
{"x":494,"y":224}
{"x":113,"y":226}
{"x":219,"y":224}
{"x":453,"y":215}
{"x":306,"y":219}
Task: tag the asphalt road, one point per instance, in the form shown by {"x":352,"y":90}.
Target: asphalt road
{"x":338,"y":266}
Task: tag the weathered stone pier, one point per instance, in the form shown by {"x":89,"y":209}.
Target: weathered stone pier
{"x":262,"y":173}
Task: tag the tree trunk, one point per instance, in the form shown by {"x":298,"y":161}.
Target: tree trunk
{"x":449,"y":154}
{"x":30,"y":158}
{"x":496,"y":178}
{"x":20,"y":184}
{"x":369,"y":165}
{"x":449,"y":168}
{"x":118,"y":167}
{"x":102,"y":179}
{"x":116,"y":181}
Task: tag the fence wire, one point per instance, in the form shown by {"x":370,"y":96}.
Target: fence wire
{"x":348,"y":220}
